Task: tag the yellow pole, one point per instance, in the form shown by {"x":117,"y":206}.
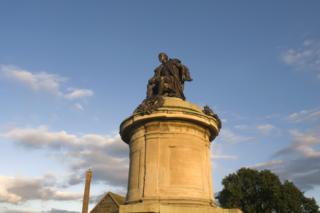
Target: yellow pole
{"x":86,"y":193}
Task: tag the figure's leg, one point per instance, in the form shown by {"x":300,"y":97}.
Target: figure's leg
{"x":150,"y":90}
{"x":161,"y":86}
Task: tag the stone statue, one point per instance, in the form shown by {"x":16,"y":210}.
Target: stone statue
{"x":168,"y":79}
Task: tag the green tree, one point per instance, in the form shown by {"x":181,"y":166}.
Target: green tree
{"x":262,"y":192}
{"x":310,"y":205}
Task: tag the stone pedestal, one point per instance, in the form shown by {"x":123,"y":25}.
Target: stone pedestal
{"x":170,"y":167}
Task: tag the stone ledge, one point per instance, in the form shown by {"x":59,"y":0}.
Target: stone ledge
{"x":172,"y":109}
{"x":167,"y":208}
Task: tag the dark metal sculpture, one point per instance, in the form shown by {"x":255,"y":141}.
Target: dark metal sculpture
{"x":208,"y":111}
{"x":168,"y":80}
{"x":148,"y":105}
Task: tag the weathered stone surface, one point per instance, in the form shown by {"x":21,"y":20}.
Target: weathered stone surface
{"x":170,"y":154}
{"x":169,"y":208}
{"x":170,"y":166}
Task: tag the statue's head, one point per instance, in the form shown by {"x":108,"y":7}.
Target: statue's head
{"x":163,"y":57}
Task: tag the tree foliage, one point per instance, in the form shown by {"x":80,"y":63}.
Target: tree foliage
{"x":262,"y":192}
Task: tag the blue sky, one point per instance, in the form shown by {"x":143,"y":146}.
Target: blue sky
{"x":71,"y":71}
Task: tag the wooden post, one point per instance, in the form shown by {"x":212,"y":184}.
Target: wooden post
{"x":86,"y":194}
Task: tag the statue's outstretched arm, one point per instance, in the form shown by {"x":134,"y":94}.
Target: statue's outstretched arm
{"x":186,"y":74}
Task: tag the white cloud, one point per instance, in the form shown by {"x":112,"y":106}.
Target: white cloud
{"x":43,"y":82}
{"x":299,"y":161}
{"x":39,"y":137}
{"x":19,"y":189}
{"x":265,"y":128}
{"x":217,"y":153}
{"x":241,"y":127}
{"x":58,"y":211}
{"x":53,"y":210}
{"x":42,"y":137}
{"x":268,"y":164}
{"x":226,"y":157}
{"x":106,"y":155}
{"x":37,"y":81}
{"x":78,"y":106}
{"x":78,"y":93}
{"x":304,"y":143}
{"x":305,"y":115}
{"x":227,"y":135}
{"x":307,"y":57}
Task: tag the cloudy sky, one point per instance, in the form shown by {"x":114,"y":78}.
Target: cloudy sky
{"x":71,"y":71}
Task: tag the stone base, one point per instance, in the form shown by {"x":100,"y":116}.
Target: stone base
{"x":170,"y":154}
{"x":171,"y":208}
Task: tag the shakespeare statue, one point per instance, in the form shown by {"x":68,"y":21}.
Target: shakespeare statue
{"x":169,"y":78}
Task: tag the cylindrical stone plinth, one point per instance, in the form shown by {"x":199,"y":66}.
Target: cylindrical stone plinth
{"x":170,"y":154}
